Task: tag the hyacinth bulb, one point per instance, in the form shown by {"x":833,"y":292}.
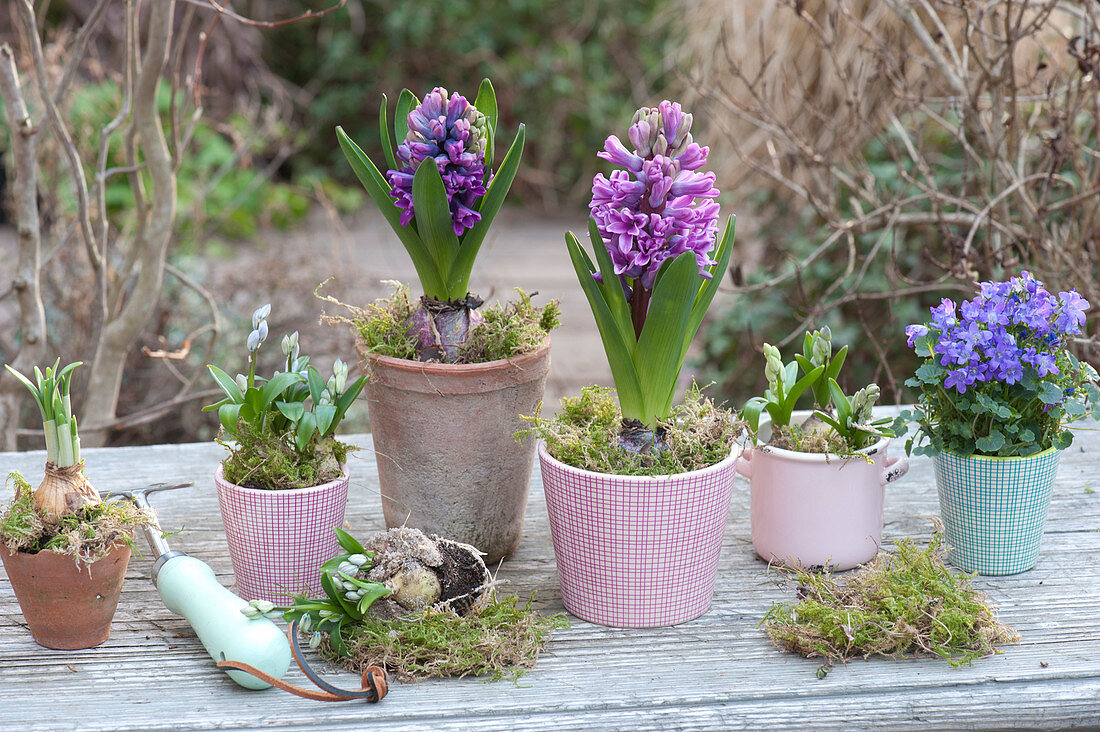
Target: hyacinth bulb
{"x":441,"y":329}
{"x":447,"y":128}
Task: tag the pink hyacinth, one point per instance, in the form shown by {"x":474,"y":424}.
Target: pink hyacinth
{"x":651,"y":211}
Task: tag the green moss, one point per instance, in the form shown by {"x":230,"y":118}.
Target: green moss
{"x":510,"y":330}
{"x":585,"y":434}
{"x":503,"y":639}
{"x":88,"y":534}
{"x":264,"y":459}
{"x":900,"y":604}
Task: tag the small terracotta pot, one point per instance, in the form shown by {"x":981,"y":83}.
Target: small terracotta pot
{"x":67,"y":607}
{"x":448,"y":461}
{"x":278,"y":540}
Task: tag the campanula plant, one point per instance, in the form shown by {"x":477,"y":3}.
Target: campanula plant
{"x":998,"y":377}
{"x":440,"y":195}
{"x":658,"y":261}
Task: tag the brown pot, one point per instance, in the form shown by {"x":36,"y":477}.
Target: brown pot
{"x":448,"y":461}
{"x":67,"y":607}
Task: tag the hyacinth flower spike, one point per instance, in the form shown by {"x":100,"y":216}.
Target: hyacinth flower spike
{"x":653,"y":232}
{"x":440,"y":196}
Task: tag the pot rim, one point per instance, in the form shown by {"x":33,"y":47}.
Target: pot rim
{"x":735,"y":453}
{"x":219,"y":478}
{"x":410,"y":365}
{"x":1002,"y":458}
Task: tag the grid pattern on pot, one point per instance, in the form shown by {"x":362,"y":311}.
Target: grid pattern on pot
{"x":994,"y":509}
{"x":279,"y":539}
{"x":636,"y":551}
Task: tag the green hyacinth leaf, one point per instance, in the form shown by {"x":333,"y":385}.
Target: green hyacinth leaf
{"x":489,"y":205}
{"x":379,"y":191}
{"x":228,"y":415}
{"x":611,"y":287}
{"x":710,"y":287}
{"x":618,"y":345}
{"x":348,"y":542}
{"x":486,"y":103}
{"x":406,"y":102}
{"x":661,"y":345}
{"x":433,"y":219}
{"x":384,"y":133}
{"x":291,"y":410}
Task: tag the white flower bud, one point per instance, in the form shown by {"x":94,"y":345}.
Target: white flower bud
{"x":242,"y":382}
{"x":358,"y":560}
{"x":254,"y":341}
{"x":306,"y":623}
{"x":315,"y":640}
{"x":260,"y":314}
{"x":263,"y":605}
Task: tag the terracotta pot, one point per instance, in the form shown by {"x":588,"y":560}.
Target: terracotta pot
{"x":67,"y":607}
{"x":448,"y":461}
{"x":278,"y":540}
{"x":814,"y":510}
{"x":637,"y":551}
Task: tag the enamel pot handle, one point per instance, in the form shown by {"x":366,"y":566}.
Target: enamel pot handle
{"x":744,"y":463}
{"x":894,"y":468}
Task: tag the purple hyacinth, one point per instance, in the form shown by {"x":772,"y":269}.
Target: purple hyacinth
{"x":1007,"y":328}
{"x":448,"y":128}
{"x":650,"y":211}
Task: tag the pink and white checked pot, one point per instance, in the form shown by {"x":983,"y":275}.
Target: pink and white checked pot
{"x":278,"y":540}
{"x":637,"y":551}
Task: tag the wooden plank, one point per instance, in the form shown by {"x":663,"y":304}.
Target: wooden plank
{"x":718,"y":672}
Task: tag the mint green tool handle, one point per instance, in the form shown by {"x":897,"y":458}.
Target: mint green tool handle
{"x":189,"y":588}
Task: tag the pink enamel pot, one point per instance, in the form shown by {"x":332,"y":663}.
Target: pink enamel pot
{"x":818,"y":511}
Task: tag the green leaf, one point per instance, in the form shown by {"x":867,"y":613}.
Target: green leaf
{"x":227,"y":384}
{"x":369,"y":596}
{"x":316,"y":385}
{"x":325,"y":414}
{"x":338,"y":596}
{"x":836,"y":362}
{"x":253,"y":402}
{"x":751,"y":412}
{"x":433,"y":221}
{"x":291,"y":410}
{"x":796,"y":391}
{"x":710,"y":287}
{"x":486,"y":103}
{"x":1050,"y":393}
{"x":334,"y":564}
{"x":611,"y":287}
{"x":488,"y":207}
{"x":841,"y":402}
{"x":306,"y":427}
{"x":991,"y":443}
{"x":384,"y":133}
{"x":349,"y":542}
{"x":343,"y":404}
{"x":276,"y":385}
{"x":229,"y":415}
{"x":661,"y":344}
{"x":618,"y":346}
{"x":379,"y":190}
{"x":930,"y":373}
{"x":406,"y":101}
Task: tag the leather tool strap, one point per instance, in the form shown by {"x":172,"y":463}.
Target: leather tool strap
{"x":374,"y":688}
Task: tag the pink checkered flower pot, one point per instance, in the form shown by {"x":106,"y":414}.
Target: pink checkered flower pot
{"x":637,"y":551}
{"x":278,"y":539}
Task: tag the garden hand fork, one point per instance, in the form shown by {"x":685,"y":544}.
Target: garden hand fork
{"x":189,"y":588}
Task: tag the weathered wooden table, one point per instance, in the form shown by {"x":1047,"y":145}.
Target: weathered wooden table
{"x":719,"y":671}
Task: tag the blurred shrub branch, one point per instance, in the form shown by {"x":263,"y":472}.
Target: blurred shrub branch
{"x":930,"y":143}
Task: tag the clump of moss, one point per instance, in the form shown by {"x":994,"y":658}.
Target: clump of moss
{"x":271,"y":461}
{"x":383,"y":327}
{"x":88,"y":534}
{"x":908,"y":603}
{"x":510,"y":330}
{"x":502,"y":639}
{"x":794,"y":437}
{"x":585,"y":435}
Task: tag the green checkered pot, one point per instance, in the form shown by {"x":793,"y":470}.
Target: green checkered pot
{"x":994,"y":509}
